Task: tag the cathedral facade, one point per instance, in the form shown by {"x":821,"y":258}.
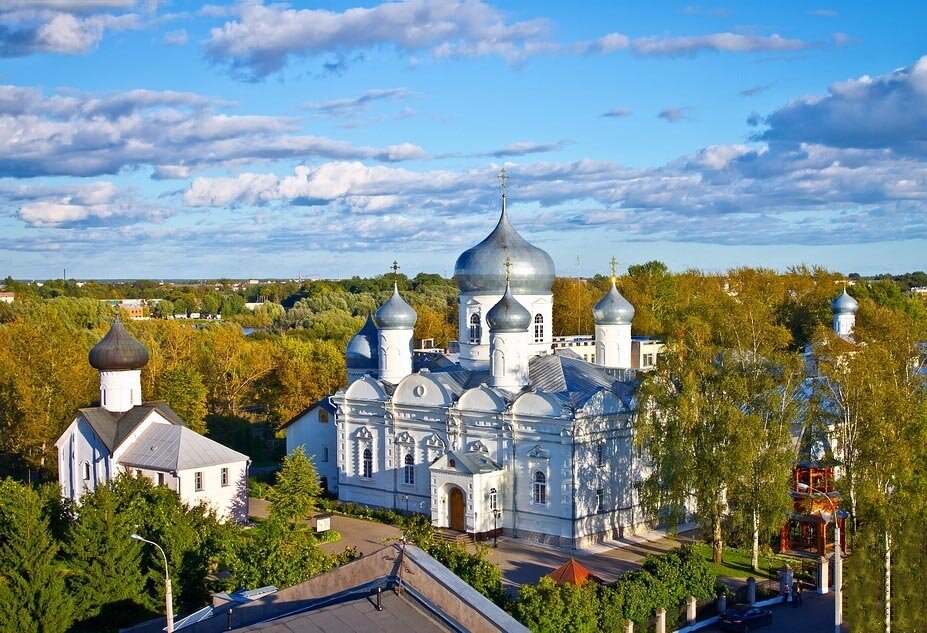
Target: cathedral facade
{"x":506,"y":436}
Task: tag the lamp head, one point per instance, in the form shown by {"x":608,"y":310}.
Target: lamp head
{"x":137,"y":537}
{"x":803,"y":487}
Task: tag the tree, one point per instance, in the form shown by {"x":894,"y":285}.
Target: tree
{"x":107,"y":580}
{"x":184,"y":391}
{"x":304,"y":372}
{"x":294,"y":496}
{"x":33,"y":597}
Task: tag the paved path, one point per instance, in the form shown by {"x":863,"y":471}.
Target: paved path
{"x":365,"y":536}
{"x":816,"y":615}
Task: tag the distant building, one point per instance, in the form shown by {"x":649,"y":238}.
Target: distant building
{"x":147,"y":439}
{"x":135,"y":309}
{"x":7,"y":297}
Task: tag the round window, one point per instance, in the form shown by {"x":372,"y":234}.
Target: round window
{"x":419,"y":390}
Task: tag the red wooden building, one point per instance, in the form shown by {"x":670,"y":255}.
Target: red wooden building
{"x":815,"y":501}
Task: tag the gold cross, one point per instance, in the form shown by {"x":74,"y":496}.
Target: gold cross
{"x":508,"y":269}
{"x":614,"y":264}
{"x":502,"y":178}
{"x":395,"y":267}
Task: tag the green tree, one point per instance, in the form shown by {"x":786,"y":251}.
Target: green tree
{"x":33,"y":596}
{"x":184,"y":391}
{"x":294,"y":496}
{"x":551,"y":608}
{"x":107,"y":580}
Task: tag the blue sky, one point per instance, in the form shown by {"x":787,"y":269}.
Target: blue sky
{"x":144,"y":138}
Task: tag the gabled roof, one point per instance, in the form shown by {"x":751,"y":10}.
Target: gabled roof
{"x":469,"y":463}
{"x":171,"y":448}
{"x":324,"y":403}
{"x":572,"y":573}
{"x":114,"y":428}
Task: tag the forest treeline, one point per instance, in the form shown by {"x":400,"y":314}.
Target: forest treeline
{"x":211,"y":371}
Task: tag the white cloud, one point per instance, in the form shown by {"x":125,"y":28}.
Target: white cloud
{"x":354,"y":106}
{"x":674,"y":115}
{"x":67,"y":27}
{"x":176,"y":38}
{"x":726,"y":42}
{"x":172,"y":132}
{"x":618,"y":113}
{"x":85,"y":204}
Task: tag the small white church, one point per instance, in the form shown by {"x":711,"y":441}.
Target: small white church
{"x":147,"y":439}
{"x":504,"y":437}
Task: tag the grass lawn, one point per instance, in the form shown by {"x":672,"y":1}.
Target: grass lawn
{"x":737,"y":563}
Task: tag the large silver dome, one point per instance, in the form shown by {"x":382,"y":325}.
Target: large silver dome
{"x":613,"y":309}
{"x":508,"y":315}
{"x":481,"y":268}
{"x":118,"y":351}
{"x":844,"y":304}
{"x":363,"y":348}
{"x":395,"y":314}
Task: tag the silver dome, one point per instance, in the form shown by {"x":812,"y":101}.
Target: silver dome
{"x":613,"y":309}
{"x":363,"y":348}
{"x":844,"y":304}
{"x":118,"y":351}
{"x":395,"y":314}
{"x":480,"y":269}
{"x":508,"y":315}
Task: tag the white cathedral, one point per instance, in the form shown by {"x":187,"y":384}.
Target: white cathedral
{"x":506,"y":436}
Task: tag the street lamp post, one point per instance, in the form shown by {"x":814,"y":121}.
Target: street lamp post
{"x":168,"y":597}
{"x":495,"y":526}
{"x":838,"y":557}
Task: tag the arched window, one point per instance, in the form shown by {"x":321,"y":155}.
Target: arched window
{"x":410,"y":470}
{"x":538,"y":328}
{"x":368,"y":463}
{"x":86,"y":469}
{"x":540,"y":488}
{"x":476,"y":330}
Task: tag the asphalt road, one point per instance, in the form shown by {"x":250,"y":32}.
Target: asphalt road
{"x":816,"y":615}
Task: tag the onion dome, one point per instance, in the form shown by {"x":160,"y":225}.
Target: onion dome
{"x":613,"y":309}
{"x":362,"y":351}
{"x":118,"y":351}
{"x":508,"y":315}
{"x":844,"y":304}
{"x":395,"y":314}
{"x":479,"y":269}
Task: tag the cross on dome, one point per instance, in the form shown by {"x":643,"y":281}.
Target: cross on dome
{"x":507,"y":264}
{"x":614,"y":264}
{"x":503,"y":177}
{"x":395,"y":267}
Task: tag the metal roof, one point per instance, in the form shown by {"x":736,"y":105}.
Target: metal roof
{"x":613,"y":309}
{"x":114,"y":428}
{"x":469,"y":463}
{"x":171,"y":448}
{"x":118,"y":351}
{"x":395,"y":314}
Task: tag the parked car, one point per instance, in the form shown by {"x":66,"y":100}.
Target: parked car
{"x":743,"y":617}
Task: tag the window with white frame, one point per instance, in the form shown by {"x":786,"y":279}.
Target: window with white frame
{"x":409,"y":470}
{"x":539,"y":328}
{"x":225,"y":477}
{"x":476,"y":330}
{"x":367,"y":464}
{"x":198,"y":480}
{"x":540,"y":488}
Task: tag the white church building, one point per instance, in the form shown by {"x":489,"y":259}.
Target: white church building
{"x":506,"y":436}
{"x":146,"y":439}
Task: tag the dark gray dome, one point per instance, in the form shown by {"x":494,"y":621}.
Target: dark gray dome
{"x":613,"y":309}
{"x":363,"y":348}
{"x":844,"y":304}
{"x":395,"y":314}
{"x":508,"y":315}
{"x":118,"y":351}
{"x":481,"y":268}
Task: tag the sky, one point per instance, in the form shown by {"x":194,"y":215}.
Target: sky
{"x":176,"y":139}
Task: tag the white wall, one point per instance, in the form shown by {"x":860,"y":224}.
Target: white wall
{"x":477,"y":355}
{"x":79,"y":445}
{"x":315,"y":437}
{"x":230,"y":501}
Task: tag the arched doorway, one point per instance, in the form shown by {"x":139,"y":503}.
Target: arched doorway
{"x":457,"y":503}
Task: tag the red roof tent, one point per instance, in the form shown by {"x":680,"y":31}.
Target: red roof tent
{"x":572,"y":573}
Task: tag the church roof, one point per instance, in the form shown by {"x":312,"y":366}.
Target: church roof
{"x":118,"y":351}
{"x":363,"y":351}
{"x":613,"y":309}
{"x":171,"y":448}
{"x":113,"y":428}
{"x":508,"y":315}
{"x":572,"y":573}
{"x":481,"y":268}
{"x":844,"y":304}
{"x":395,"y":314}
{"x":469,"y":463}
